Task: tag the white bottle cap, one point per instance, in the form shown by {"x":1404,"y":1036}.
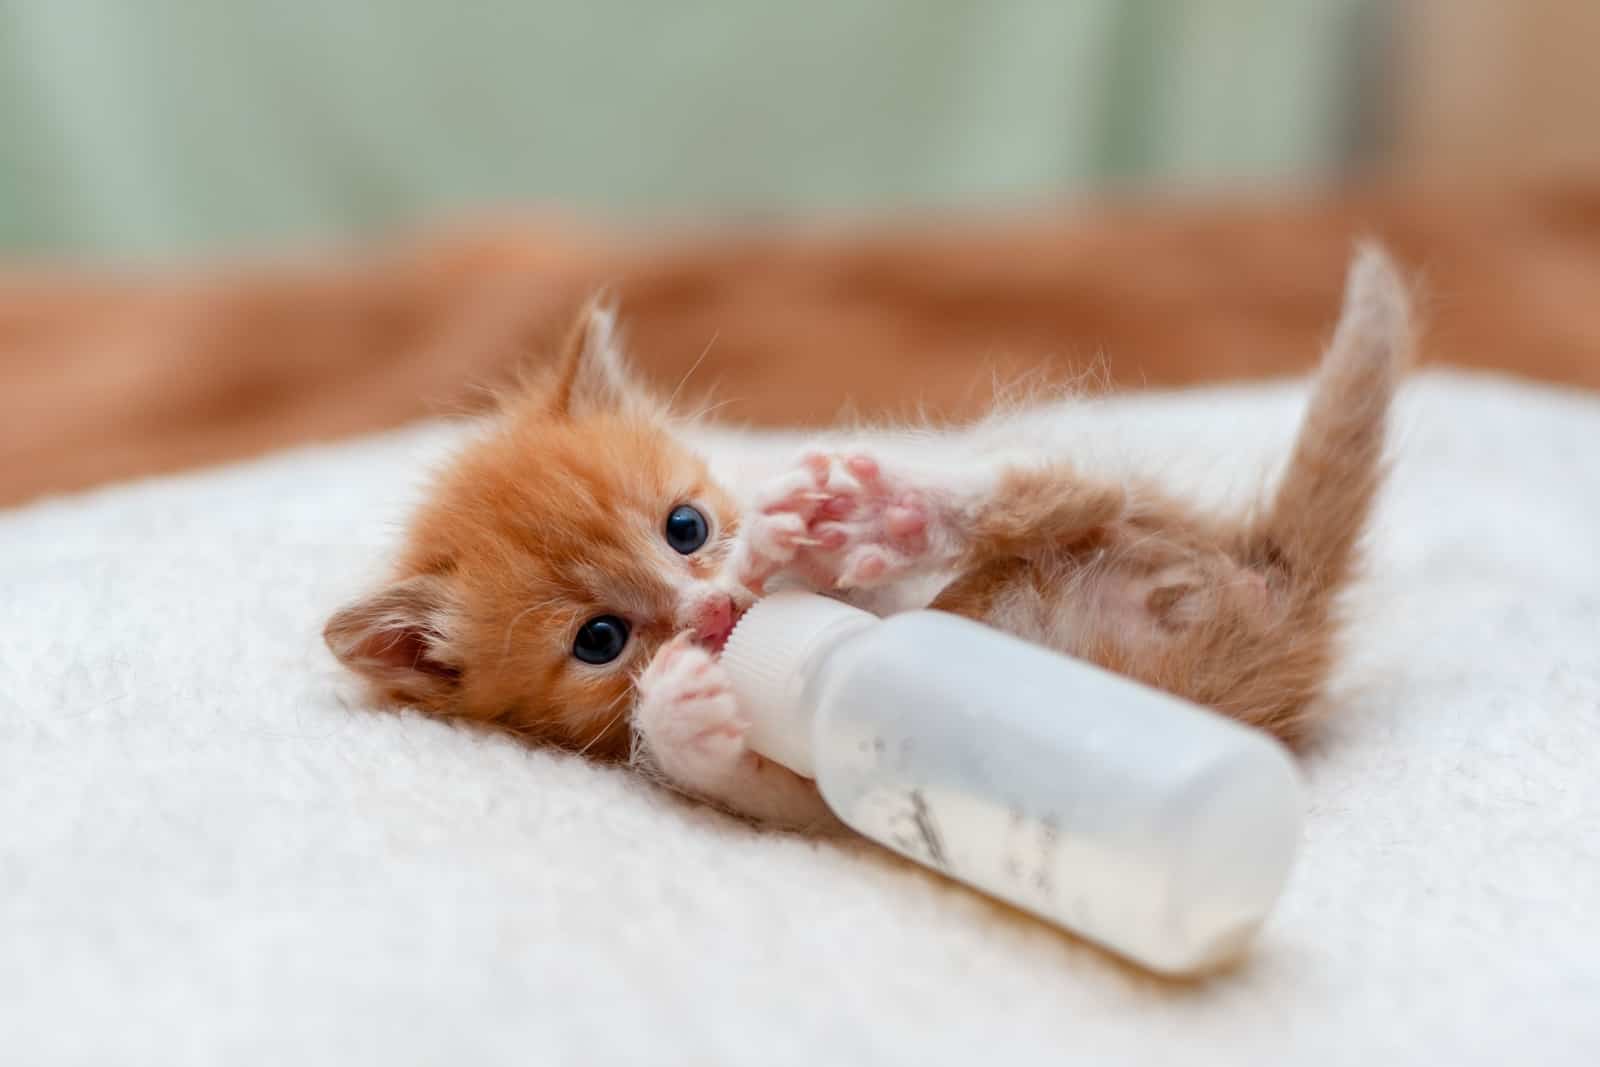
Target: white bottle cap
{"x":771,"y":655}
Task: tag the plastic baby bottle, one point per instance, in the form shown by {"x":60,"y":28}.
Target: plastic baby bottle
{"x":1148,"y":825}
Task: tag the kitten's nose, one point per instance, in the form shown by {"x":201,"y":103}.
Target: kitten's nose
{"x":714,"y":619}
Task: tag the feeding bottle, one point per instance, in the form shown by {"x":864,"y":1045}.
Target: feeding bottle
{"x":1151,"y":826}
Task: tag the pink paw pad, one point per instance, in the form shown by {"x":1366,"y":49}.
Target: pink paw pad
{"x":868,"y":565}
{"x":875,"y":525}
{"x":863,"y":467}
{"x":906,"y":521}
{"x":840,"y":519}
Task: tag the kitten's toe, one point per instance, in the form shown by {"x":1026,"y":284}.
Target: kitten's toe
{"x":797,"y":490}
{"x":876,"y":524}
{"x":831,"y":536}
{"x":865,"y":468}
{"x":778,"y":536}
{"x":778,"y":526}
{"x":769,"y":543}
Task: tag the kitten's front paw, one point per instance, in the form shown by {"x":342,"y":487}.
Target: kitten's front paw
{"x":874,"y":524}
{"x":692,"y":734}
{"x":778,"y":528}
{"x":688,"y":718}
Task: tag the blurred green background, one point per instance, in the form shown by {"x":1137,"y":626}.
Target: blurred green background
{"x":169,"y":129}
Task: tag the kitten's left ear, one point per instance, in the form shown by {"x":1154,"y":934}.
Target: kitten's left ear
{"x":401,"y":639}
{"x":592,"y":375}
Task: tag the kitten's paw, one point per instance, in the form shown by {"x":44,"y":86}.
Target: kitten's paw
{"x":688,"y":717}
{"x":778,"y":528}
{"x":692,"y":734}
{"x":876,"y":523}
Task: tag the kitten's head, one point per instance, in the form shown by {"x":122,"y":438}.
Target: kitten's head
{"x":553,"y":557}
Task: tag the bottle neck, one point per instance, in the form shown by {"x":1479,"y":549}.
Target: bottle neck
{"x":777,"y":657}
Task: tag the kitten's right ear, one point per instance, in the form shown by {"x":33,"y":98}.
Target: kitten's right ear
{"x":400,"y":639}
{"x":591,"y":373}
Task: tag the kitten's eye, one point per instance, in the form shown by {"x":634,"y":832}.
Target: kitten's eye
{"x":686,"y":529}
{"x":601,"y":640}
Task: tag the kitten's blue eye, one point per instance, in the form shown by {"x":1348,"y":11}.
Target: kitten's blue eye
{"x":686,"y":529}
{"x":601,"y":640}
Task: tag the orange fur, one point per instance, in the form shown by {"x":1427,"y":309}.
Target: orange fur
{"x":551,"y":518}
{"x":1235,"y":613}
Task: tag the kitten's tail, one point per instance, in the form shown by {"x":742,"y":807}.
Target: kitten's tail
{"x":1312,"y":527}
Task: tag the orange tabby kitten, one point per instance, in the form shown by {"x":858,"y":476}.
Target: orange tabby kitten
{"x":577,"y":567}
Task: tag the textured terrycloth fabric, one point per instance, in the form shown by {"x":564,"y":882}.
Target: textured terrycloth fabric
{"x":209,"y":853}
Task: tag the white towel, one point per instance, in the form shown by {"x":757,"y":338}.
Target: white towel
{"x":210,"y":853}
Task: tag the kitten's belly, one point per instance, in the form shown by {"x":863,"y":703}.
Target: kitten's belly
{"x":1080,"y":609}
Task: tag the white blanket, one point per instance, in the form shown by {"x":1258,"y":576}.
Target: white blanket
{"x":211,"y":854}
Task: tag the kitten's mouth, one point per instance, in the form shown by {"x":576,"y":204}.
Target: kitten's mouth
{"x":717,"y":639}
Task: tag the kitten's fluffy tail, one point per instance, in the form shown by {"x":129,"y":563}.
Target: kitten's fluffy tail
{"x":1312,"y":528}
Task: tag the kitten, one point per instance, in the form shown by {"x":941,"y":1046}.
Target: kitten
{"x":577,"y":568}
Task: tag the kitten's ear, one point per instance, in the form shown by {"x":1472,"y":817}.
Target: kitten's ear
{"x":592,"y":375}
{"x":400,"y":639}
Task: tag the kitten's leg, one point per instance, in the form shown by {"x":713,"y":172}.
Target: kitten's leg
{"x":880,"y":520}
{"x":689,"y":729}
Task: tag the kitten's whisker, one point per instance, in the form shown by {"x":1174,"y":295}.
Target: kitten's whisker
{"x":704,"y":352}
{"x":703,"y":412}
{"x":622,"y":696}
{"x":512,"y":625}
